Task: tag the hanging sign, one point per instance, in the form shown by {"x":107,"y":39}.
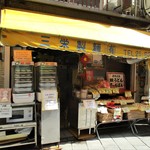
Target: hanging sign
{"x":5,"y":110}
{"x":49,"y":99}
{"x":116,"y":79}
{"x":22,"y":55}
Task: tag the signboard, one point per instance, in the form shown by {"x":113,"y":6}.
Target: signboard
{"x":22,"y":55}
{"x":37,"y":40}
{"x":5,"y":110}
{"x":116,"y":79}
{"x":49,"y":99}
{"x":89,"y":104}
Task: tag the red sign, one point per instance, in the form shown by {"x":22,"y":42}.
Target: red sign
{"x":89,"y":75}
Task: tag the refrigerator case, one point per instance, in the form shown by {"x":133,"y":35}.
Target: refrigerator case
{"x":46,"y":77}
{"x":22,"y":82}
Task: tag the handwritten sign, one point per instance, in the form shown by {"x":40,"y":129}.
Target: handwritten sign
{"x":22,"y":55}
{"x":5,"y":110}
{"x":89,"y":104}
{"x":49,"y":99}
{"x":116,"y":79}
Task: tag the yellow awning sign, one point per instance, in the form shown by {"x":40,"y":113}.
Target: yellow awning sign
{"x":72,"y":28}
{"x":48,"y":41}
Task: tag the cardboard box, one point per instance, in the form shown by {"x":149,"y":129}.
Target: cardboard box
{"x":135,"y":114}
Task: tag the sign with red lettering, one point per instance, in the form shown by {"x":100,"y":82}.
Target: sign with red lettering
{"x":116,"y":79}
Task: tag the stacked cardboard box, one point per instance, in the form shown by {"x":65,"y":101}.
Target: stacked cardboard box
{"x":135,"y":114}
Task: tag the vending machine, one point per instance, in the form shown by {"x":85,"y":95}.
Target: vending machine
{"x":22,"y":82}
{"x":47,"y":98}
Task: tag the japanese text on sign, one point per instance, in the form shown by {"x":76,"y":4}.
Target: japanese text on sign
{"x":49,"y":99}
{"x":116,"y":79}
{"x":22,"y":55}
{"x":5,"y":110}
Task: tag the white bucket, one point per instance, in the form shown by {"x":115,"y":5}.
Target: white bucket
{"x":78,"y":93}
{"x":83,"y":93}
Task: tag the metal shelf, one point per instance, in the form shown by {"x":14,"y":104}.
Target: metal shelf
{"x":19,"y":126}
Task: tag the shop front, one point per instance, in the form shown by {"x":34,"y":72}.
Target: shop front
{"x":90,"y":67}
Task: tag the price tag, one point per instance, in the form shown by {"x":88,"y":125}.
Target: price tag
{"x":128,"y":94}
{"x":123,"y":102}
{"x":5,"y":110}
{"x":125,"y":109}
{"x":109,"y":91}
{"x":116,"y":90}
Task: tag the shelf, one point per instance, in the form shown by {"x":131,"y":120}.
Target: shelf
{"x":16,"y":144}
{"x":17,"y":125}
{"x":104,"y":102}
{"x":19,"y":141}
{"x":23,"y":104}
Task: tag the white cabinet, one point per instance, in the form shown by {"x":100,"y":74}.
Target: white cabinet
{"x":86,"y":118}
{"x":50,"y":127}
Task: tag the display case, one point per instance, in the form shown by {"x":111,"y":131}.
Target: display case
{"x":22,"y":74}
{"x":46,"y":76}
{"x":48,"y":119}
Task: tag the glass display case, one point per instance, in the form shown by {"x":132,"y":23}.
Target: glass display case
{"x":46,"y":77}
{"x":22,"y":82}
{"x":48,"y":120}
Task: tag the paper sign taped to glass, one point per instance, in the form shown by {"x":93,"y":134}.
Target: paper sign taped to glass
{"x":49,"y":99}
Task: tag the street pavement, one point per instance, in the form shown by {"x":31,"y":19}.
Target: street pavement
{"x":120,"y":138}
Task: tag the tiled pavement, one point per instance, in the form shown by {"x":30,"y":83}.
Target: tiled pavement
{"x":110,"y":139}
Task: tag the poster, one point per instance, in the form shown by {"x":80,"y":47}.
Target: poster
{"x":49,"y":99}
{"x":97,"y":60}
{"x":5,"y":95}
{"x":5,"y":110}
{"x":89,"y":75}
{"x":116,"y":79}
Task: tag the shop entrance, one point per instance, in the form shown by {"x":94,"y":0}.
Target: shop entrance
{"x":67,"y":62}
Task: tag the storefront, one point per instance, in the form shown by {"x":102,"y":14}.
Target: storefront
{"x":78,"y":47}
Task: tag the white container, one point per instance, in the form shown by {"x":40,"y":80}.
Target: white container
{"x":78,"y":93}
{"x":23,"y":98}
{"x":83,"y":93}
